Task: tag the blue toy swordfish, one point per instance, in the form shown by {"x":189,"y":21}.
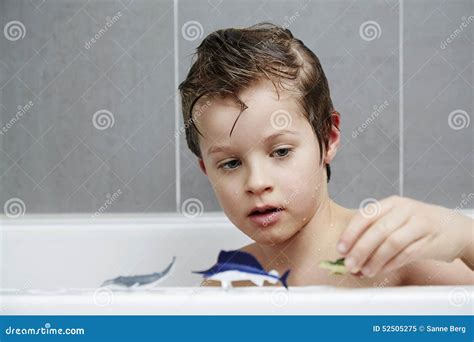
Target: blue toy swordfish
{"x":237,"y":265}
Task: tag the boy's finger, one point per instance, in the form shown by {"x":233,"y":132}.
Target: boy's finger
{"x":373,"y":237}
{"x":360,"y":222}
{"x":394,"y":245}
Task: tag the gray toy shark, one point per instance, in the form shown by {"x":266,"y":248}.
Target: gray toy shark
{"x":139,"y":281}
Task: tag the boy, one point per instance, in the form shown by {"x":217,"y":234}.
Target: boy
{"x":259,"y":117}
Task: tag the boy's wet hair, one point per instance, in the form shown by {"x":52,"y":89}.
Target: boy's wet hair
{"x":229,"y":60}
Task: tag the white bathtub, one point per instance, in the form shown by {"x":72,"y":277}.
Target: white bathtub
{"x":55,"y":265}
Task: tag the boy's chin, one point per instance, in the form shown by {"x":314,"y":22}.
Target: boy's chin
{"x":272,"y":238}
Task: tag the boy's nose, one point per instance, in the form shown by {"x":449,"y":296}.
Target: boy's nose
{"x":257,"y":182}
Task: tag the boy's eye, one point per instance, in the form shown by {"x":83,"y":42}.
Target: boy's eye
{"x":282,"y":152}
{"x":229,"y":165}
{"x":232,"y":164}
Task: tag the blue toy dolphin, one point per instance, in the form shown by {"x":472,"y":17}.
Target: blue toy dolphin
{"x":142,"y":281}
{"x":237,"y":265}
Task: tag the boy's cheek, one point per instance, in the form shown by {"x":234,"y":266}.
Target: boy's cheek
{"x":231,"y":203}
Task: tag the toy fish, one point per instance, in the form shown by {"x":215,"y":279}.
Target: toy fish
{"x":237,"y":265}
{"x":335,"y":267}
{"x":142,"y":281}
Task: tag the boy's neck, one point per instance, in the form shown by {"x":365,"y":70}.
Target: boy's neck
{"x":316,"y":240}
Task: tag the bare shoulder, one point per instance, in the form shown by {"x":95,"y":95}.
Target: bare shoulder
{"x":431,"y":272}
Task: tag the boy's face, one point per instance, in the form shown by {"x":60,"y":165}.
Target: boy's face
{"x":284,"y":171}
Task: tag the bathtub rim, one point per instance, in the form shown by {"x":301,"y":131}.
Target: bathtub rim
{"x":123,"y":221}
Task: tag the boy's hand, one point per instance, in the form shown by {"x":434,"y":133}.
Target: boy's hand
{"x":389,"y":234}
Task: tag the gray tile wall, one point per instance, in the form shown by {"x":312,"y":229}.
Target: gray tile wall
{"x":100,"y":125}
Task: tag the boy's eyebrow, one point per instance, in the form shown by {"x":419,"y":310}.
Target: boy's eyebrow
{"x":215,"y":149}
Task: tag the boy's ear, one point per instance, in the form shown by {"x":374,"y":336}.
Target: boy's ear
{"x":202,"y":166}
{"x":334,"y":137}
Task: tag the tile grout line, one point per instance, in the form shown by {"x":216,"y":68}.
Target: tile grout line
{"x":176,"y":105}
{"x":400,"y":97}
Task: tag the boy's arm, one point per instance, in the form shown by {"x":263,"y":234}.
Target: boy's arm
{"x":467,"y":253}
{"x":468,"y":256}
{"x":398,"y":231}
{"x":430,"y":272}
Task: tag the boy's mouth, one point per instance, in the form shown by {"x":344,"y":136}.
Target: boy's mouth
{"x":265,"y":216}
{"x":264,"y":210}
